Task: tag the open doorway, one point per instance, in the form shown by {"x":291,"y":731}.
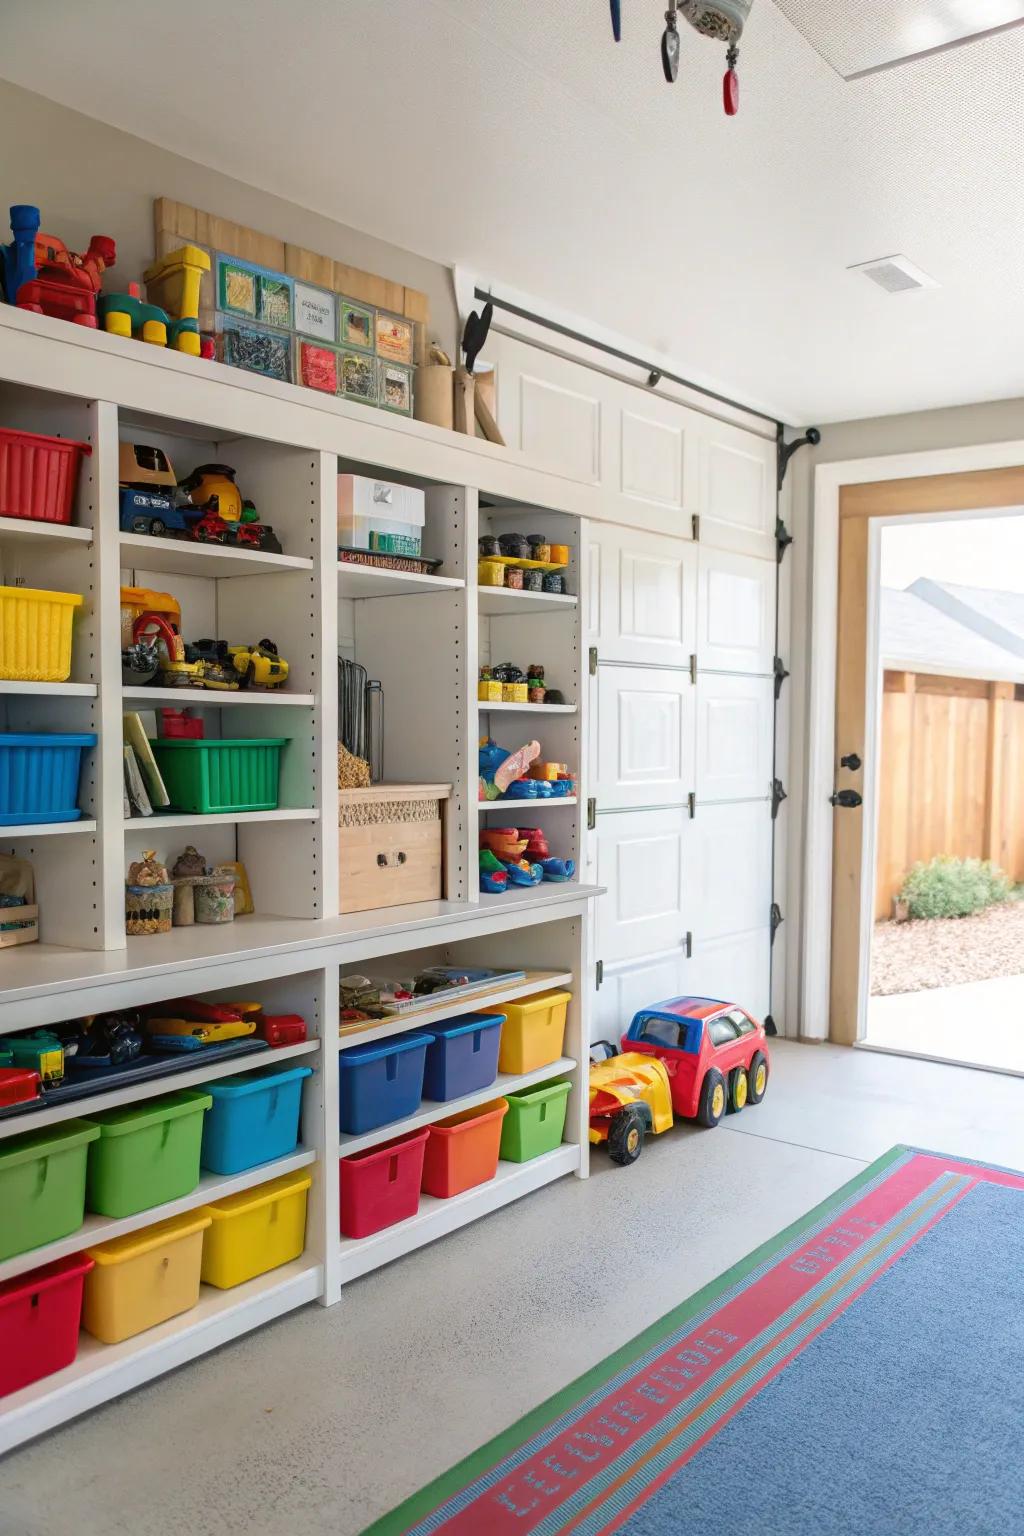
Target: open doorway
{"x":946,"y":651}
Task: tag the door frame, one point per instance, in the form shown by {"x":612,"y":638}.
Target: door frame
{"x":829,"y":482}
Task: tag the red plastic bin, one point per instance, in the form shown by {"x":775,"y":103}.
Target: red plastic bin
{"x":18,"y":1085}
{"x":38,"y":475}
{"x":382,"y":1186}
{"x":463,"y":1150}
{"x":39,"y":1317}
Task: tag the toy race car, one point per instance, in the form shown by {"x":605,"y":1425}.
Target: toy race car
{"x":715,"y":1054}
{"x":696,"y":1057}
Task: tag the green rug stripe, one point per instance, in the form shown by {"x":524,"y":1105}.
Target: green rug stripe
{"x":420,"y":1504}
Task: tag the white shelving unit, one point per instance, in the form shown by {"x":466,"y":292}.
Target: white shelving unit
{"x":424,"y":638}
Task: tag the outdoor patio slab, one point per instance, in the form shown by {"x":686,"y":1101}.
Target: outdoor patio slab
{"x":980,"y":1023}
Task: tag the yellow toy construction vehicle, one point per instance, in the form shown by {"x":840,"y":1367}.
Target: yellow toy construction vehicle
{"x":630,"y":1098}
{"x":259,"y":666}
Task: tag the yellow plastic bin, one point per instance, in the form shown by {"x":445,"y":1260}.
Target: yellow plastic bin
{"x":144,"y":1278}
{"x":256,"y":1230}
{"x":533,"y":1031}
{"x":35,"y":634}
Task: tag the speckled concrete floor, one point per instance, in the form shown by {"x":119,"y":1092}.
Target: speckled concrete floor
{"x":318,"y":1423}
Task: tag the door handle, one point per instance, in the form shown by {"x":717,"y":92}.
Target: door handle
{"x":846,"y":799}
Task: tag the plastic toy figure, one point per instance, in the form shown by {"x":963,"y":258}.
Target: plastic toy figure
{"x":173,"y":284}
{"x":42,"y":275}
{"x":260,"y":665}
{"x":715,"y":1053}
{"x":630,"y":1097}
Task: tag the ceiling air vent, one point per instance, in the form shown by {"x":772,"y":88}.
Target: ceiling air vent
{"x":895,"y":274}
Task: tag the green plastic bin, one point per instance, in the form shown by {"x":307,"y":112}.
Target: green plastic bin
{"x":205,"y":776}
{"x":146,"y":1154}
{"x":535,"y":1121}
{"x":42,"y":1185}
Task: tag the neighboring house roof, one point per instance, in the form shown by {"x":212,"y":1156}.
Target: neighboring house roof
{"x":998,"y":616}
{"x":919,"y":633}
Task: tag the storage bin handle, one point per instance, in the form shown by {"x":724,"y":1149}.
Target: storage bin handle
{"x":391,"y":1068}
{"x":165,"y":1134}
{"x":393,"y":1168}
{"x":383,"y":493}
{"x":44,"y":1174}
{"x":544,"y":1109}
{"x":390,"y":860}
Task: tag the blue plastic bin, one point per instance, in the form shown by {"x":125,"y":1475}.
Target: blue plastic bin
{"x":255,"y":1118}
{"x":39,"y":776}
{"x":463,"y":1056}
{"x":381,"y":1081}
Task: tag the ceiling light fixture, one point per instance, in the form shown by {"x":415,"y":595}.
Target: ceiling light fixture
{"x":721,"y":20}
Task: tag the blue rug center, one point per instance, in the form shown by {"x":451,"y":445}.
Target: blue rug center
{"x":904,"y":1418}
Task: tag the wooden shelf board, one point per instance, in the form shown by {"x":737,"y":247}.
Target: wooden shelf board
{"x":214,"y":819}
{"x":526,"y":709}
{"x":28,"y":531}
{"x":211,"y":698}
{"x":430,"y":1112}
{"x":101,"y":1229}
{"x":179,"y":557}
{"x":46,"y":829}
{"x":527,"y":806}
{"x":359,"y":581}
{"x":495,"y":601}
{"x":51,"y":690}
{"x":533,"y":981}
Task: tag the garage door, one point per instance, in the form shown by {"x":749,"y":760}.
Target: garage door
{"x":681,"y":729}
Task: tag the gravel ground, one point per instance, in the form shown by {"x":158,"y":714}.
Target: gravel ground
{"x":945,"y":951}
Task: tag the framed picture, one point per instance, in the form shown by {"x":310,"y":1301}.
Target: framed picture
{"x":316,"y":366}
{"x":315,"y":313}
{"x":395,"y":387}
{"x":356,"y":325}
{"x":395,"y":338}
{"x":254,"y":349}
{"x":236,"y":287}
{"x":359,"y":377}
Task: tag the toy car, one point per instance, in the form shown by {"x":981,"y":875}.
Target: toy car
{"x":629,"y":1097}
{"x":41,"y":1052}
{"x":259,"y":665}
{"x":714,"y":1053}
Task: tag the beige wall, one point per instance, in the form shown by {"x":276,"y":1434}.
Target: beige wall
{"x":956,"y":427}
{"x":88,"y":178}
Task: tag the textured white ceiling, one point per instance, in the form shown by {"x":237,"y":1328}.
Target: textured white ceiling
{"x":513,"y":137}
{"x":873,"y":34}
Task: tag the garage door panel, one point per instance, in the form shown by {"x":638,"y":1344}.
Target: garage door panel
{"x":730,"y":867}
{"x":738,"y":501}
{"x":734,"y":737}
{"x":628,"y":986}
{"x":641,"y":861}
{"x":736,"y":613}
{"x":735,"y":968}
{"x":645,"y":737}
{"x":648,"y":598}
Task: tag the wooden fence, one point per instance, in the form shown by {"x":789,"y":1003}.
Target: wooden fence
{"x":952,"y":776}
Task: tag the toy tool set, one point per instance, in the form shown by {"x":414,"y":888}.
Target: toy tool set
{"x":386,"y":1081}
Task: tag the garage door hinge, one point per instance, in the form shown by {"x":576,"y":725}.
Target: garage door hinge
{"x":688,"y":945}
{"x":691,"y":805}
{"x":599,"y":973}
{"x":783,"y":539}
{"x":592,"y":661}
{"x":693,"y":667}
{"x":695,"y":527}
{"x":775,"y":919}
{"x":778,"y":795}
{"x":780,"y":676}
{"x":591,"y":814}
{"x":785,"y":451}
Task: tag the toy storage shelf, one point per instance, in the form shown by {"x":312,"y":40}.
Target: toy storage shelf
{"x":178,"y":558}
{"x":27,"y":531}
{"x":496,"y":601}
{"x":46,"y":829}
{"x":534,"y":981}
{"x":359,"y":581}
{"x":104,"y":1371}
{"x":214,"y":818}
{"x":134,"y":1093}
{"x":436,"y":1218}
{"x":51,"y":690}
{"x":527,"y":806}
{"x":213,"y":698}
{"x":430,"y":1114}
{"x":527,"y":709}
{"x":101,"y":1229}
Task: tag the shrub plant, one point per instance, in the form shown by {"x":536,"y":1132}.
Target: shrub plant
{"x":948,"y":887}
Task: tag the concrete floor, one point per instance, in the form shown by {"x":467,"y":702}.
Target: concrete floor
{"x":978,"y":1022}
{"x":320,"y":1422}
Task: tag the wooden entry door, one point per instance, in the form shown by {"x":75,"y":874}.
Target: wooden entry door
{"x":973,"y":491}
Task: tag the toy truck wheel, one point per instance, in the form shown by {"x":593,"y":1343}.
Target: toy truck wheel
{"x":140,"y":525}
{"x":713,"y":1098}
{"x":739,"y":1090}
{"x":758,"y":1077}
{"x":158,"y":528}
{"x":626,"y":1137}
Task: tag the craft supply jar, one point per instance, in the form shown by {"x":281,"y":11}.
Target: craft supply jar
{"x":533,"y":581}
{"x":554,"y":581}
{"x":559,"y":554}
{"x":491,"y":573}
{"x":214,"y":898}
{"x":514,"y":546}
{"x":536,"y":693}
{"x":513,"y":577}
{"x":488,"y":546}
{"x":540,"y":549}
{"x":147,"y":909}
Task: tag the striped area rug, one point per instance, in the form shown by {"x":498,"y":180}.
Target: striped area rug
{"x":883,"y":1330}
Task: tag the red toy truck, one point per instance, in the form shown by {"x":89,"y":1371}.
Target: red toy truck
{"x":715,"y":1054}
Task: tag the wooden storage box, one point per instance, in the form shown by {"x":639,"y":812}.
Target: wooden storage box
{"x":391,"y":841}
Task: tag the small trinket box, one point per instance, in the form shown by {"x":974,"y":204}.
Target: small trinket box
{"x":395,"y":386}
{"x":395,"y":339}
{"x":357,"y":325}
